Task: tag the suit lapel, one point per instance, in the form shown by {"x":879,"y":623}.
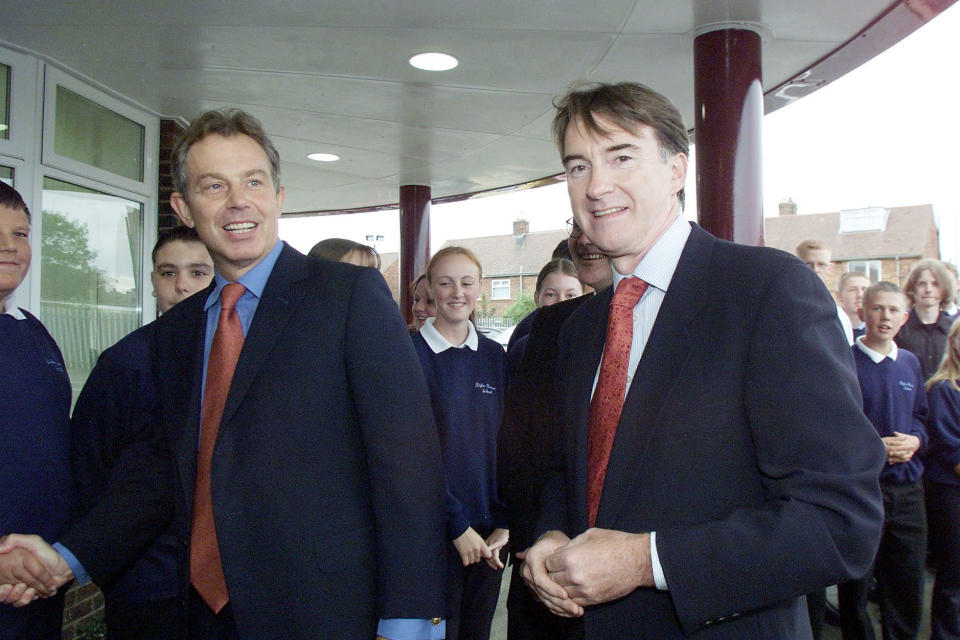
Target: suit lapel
{"x":180,"y":355}
{"x":665,"y":355}
{"x":272,"y":315}
{"x":589,"y":331}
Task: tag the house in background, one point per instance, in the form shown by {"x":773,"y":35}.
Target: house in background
{"x":390,"y":268}
{"x":510,"y":264}
{"x":884,"y":243}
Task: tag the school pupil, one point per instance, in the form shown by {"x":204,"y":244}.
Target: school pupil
{"x":942,"y":489}
{"x":465,"y":375}
{"x":423,"y":306}
{"x":556,"y":282}
{"x":895,"y":401}
{"x":36,"y":476}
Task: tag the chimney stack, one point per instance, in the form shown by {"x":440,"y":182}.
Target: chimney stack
{"x":788,"y":207}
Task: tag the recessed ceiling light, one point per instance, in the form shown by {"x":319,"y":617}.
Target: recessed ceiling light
{"x":434,"y":61}
{"x":323,"y":157}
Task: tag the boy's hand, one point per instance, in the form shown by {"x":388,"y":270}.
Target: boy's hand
{"x":900,"y":447}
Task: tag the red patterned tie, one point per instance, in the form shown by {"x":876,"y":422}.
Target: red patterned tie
{"x":608,"y":397}
{"x":206,"y":571}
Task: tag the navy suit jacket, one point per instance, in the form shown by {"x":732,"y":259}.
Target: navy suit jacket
{"x":741,"y":443}
{"x":327,"y":481}
{"x":110,"y":419}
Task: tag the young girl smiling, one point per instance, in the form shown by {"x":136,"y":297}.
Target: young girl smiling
{"x":465,"y":374}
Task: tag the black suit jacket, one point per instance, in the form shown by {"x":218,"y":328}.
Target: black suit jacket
{"x":326,"y":476}
{"x":529,"y":435}
{"x":124,"y":473}
{"x":741,"y":443}
{"x":108,"y":425}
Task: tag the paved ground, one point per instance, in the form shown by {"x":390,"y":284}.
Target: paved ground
{"x":499,"y":630}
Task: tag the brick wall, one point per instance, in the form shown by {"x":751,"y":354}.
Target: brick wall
{"x":83,"y":614}
{"x":497,"y":307}
{"x":170,"y":130}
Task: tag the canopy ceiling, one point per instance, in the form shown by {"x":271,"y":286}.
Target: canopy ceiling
{"x":333,"y":76}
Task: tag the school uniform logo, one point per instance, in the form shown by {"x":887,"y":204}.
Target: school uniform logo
{"x":485,"y":388}
{"x":906,"y":385}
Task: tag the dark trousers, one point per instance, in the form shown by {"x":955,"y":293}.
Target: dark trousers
{"x":855,"y":623}
{"x":943,"y":511}
{"x":158,"y":620}
{"x":817,"y":611}
{"x":898,"y":570}
{"x":528,"y":619}
{"x":39,"y":620}
{"x":204,"y":624}
{"x":472,"y":594}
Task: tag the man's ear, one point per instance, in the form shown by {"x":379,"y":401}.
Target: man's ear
{"x":179,"y":204}
{"x":678,"y":171}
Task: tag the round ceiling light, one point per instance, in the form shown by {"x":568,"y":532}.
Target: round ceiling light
{"x":434,"y":61}
{"x":323,"y":157}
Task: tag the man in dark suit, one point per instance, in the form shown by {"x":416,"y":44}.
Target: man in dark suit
{"x":326,"y":480}
{"x":318,"y":512}
{"x":527,"y":438}
{"x":732,"y":470}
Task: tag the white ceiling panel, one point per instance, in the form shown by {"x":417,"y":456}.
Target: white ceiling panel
{"x":333,"y":76}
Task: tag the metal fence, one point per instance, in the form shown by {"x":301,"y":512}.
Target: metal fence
{"x":84,"y":331}
{"x":494,"y":322}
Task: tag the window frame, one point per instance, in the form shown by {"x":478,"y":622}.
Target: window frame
{"x":868,"y":264}
{"x":148,"y":308}
{"x":24,"y":71}
{"x":53,"y":78}
{"x":500,"y":282}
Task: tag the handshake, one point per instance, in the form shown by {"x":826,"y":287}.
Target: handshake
{"x":30,"y":569}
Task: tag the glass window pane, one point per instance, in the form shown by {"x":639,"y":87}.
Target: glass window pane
{"x":6,"y":175}
{"x":95,"y":135}
{"x":90,"y":272}
{"x":4,"y":102}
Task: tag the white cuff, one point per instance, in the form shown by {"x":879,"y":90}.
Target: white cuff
{"x":658,"y":579}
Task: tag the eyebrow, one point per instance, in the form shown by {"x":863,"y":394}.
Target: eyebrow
{"x":220,"y":176}
{"x":611,"y":149}
{"x":172,"y":265}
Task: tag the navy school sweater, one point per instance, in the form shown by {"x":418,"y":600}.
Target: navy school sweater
{"x":466,"y":392}
{"x":36,"y":479}
{"x":894,"y":400}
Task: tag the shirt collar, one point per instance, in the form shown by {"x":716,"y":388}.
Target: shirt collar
{"x":15,"y":312}
{"x":438,"y":343}
{"x":876,"y":356}
{"x":254,"y":280}
{"x":657,"y":267}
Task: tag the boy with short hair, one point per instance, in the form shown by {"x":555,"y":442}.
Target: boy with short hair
{"x":181,"y":266}
{"x":113,"y":408}
{"x":817,"y":255}
{"x":895,"y":402}
{"x":35,"y":473}
{"x":849,"y":293}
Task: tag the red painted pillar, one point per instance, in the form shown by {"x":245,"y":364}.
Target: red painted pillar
{"x":414,"y":239}
{"x":728,"y":102}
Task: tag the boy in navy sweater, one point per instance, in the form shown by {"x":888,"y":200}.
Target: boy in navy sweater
{"x":894,"y":400}
{"x":35,"y":473}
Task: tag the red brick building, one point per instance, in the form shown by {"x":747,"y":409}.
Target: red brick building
{"x":510,"y":263}
{"x":883,"y":242}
